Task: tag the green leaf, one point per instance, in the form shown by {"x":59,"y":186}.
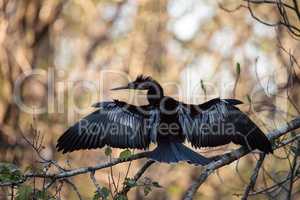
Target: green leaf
{"x":125,"y":154}
{"x":108,"y":151}
{"x":42,"y":195}
{"x":103,"y":195}
{"x":130,"y":182}
{"x":238,"y":68}
{"x":9,"y":172}
{"x":147,"y":190}
{"x":96,"y":196}
{"x":249,"y":98}
{"x":24,"y":193}
{"x":121,"y":197}
{"x":156,"y":184}
{"x":105,"y":192}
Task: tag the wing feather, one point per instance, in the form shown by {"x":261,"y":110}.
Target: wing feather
{"x":219,"y":122}
{"x":115,"y":124}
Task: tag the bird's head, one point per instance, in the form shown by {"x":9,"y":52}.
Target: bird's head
{"x":140,"y":83}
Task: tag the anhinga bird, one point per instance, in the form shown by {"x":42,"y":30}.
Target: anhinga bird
{"x":165,"y":122}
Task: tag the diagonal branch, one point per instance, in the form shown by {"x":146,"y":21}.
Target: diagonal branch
{"x":285,"y":11}
{"x":137,"y":176}
{"x":73,"y":186}
{"x":254,"y":176}
{"x":92,"y":175}
{"x":235,"y":155}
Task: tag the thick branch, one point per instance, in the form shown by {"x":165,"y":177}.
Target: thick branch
{"x":74,"y":172}
{"x":235,"y":155}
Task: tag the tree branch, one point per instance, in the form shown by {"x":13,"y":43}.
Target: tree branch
{"x":97,"y":186}
{"x":285,"y":10}
{"x":73,"y":186}
{"x":137,"y":176}
{"x":235,"y":155}
{"x":74,"y":172}
{"x":224,"y":160}
{"x":253,"y":178}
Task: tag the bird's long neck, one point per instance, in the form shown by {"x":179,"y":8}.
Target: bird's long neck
{"x":155,"y":94}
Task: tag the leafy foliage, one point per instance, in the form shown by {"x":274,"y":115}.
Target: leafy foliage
{"x":130,"y":182}
{"x":121,"y":197}
{"x":147,"y":190}
{"x":26,"y":192}
{"x":9,"y":172}
{"x":103,"y":194}
{"x":148,"y":184}
{"x":108,"y":151}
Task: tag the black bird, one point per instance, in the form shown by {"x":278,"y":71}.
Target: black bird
{"x":165,"y":122}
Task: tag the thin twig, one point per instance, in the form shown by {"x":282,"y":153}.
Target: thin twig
{"x":137,"y":176}
{"x":284,"y":11}
{"x":92,"y":175}
{"x":253,"y":178}
{"x":12,"y":192}
{"x":73,"y":186}
{"x":112,"y":176}
{"x":273,"y":187}
{"x":128,"y":168}
{"x":293,"y":170}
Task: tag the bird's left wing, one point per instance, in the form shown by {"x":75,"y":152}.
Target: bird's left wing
{"x":116,"y":124}
{"x":218,"y":122}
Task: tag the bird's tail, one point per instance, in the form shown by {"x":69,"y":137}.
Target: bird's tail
{"x":173,"y":152}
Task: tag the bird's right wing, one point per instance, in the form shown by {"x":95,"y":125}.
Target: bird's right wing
{"x":115,"y":124}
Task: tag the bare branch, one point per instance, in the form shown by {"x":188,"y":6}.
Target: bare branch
{"x":73,"y":186}
{"x":137,"y":176}
{"x":283,"y":10}
{"x":92,"y":175}
{"x":273,"y":187}
{"x":253,"y":178}
{"x":74,"y":172}
{"x":235,"y":155}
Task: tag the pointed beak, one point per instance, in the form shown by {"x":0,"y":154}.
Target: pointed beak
{"x":120,"y":88}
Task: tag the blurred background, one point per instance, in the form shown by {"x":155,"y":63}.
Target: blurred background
{"x":57,"y":57}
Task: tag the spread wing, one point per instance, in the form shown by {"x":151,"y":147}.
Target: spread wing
{"x":218,"y":122}
{"x":115,"y":124}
